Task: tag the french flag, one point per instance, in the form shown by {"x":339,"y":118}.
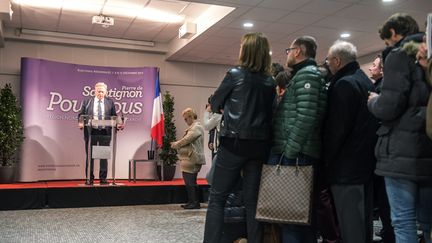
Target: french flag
{"x":157,"y":125}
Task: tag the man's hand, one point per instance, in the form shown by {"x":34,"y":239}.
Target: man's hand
{"x":371,"y":96}
{"x":422,"y":56}
{"x":210,"y":146}
{"x":80,"y":125}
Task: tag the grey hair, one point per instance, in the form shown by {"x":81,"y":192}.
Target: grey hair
{"x":346,"y":51}
{"x":101,"y":84}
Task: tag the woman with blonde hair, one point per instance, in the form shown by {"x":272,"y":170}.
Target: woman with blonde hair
{"x":245,"y":98}
{"x":191,"y":155}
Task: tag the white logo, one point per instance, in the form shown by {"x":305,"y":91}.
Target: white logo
{"x":307,"y":86}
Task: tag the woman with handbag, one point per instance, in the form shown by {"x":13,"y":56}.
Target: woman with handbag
{"x":245,"y":97}
{"x":191,"y":155}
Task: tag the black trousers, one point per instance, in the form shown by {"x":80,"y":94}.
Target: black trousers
{"x":190,"y":179}
{"x":354,"y":211}
{"x":99,"y":137}
{"x":235,"y":157}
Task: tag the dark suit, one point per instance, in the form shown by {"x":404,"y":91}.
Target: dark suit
{"x":101,"y":136}
{"x":349,"y":140}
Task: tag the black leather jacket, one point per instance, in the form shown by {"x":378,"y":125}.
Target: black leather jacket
{"x":246,"y":99}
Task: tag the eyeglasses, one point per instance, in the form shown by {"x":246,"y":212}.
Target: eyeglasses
{"x":327,"y":59}
{"x":290,"y":49}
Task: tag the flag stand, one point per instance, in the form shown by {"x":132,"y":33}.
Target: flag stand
{"x":151,"y":152}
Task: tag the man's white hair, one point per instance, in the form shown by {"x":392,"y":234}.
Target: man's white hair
{"x":346,"y":51}
{"x":101,"y":84}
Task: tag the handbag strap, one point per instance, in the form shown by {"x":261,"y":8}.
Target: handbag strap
{"x":278,"y":166}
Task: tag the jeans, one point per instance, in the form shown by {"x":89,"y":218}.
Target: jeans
{"x":233,"y":158}
{"x":410,"y":202}
{"x":295,"y":233}
{"x":381,"y":201}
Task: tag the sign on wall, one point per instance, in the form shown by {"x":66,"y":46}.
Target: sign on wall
{"x":51,"y":97}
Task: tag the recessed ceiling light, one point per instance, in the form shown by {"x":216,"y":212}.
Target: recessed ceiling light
{"x":345,"y":35}
{"x":387,"y":1}
{"x":248,"y":25}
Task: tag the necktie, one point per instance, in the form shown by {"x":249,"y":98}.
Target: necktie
{"x":100,"y":110}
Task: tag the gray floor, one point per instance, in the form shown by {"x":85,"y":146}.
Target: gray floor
{"x":147,"y":223}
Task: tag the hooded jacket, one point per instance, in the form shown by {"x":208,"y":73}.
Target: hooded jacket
{"x":403,"y":149}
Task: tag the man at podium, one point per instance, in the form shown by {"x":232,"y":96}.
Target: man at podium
{"x":98,"y":107}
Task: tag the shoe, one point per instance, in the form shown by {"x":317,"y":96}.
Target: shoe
{"x":194,"y":205}
{"x":89,"y":183}
{"x":103,"y":182}
{"x":186,"y":205}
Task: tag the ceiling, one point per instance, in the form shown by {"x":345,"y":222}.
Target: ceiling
{"x":218,"y":41}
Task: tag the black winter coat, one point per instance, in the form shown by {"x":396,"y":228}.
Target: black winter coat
{"x":403,"y":150}
{"x":349,"y":132}
{"x":246,"y":99}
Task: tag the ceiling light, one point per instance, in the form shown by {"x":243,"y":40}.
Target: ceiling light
{"x":39,"y":4}
{"x":387,"y":1}
{"x":345,"y":35}
{"x":248,"y":25}
{"x":160,"y":16}
{"x":82,"y":6}
{"x":130,"y":10}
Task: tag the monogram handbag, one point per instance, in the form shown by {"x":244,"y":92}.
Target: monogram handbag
{"x":285,"y":194}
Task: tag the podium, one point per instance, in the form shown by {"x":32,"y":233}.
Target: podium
{"x":106,"y":129}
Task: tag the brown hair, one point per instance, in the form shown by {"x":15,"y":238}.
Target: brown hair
{"x":282,"y":79}
{"x":255,"y":53}
{"x":403,"y":24}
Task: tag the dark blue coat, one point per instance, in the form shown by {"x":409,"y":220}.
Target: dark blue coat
{"x":349,"y":132}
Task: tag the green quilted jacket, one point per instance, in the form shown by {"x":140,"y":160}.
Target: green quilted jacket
{"x":298,"y":119}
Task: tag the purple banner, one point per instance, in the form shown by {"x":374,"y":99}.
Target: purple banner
{"x":51,"y":97}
